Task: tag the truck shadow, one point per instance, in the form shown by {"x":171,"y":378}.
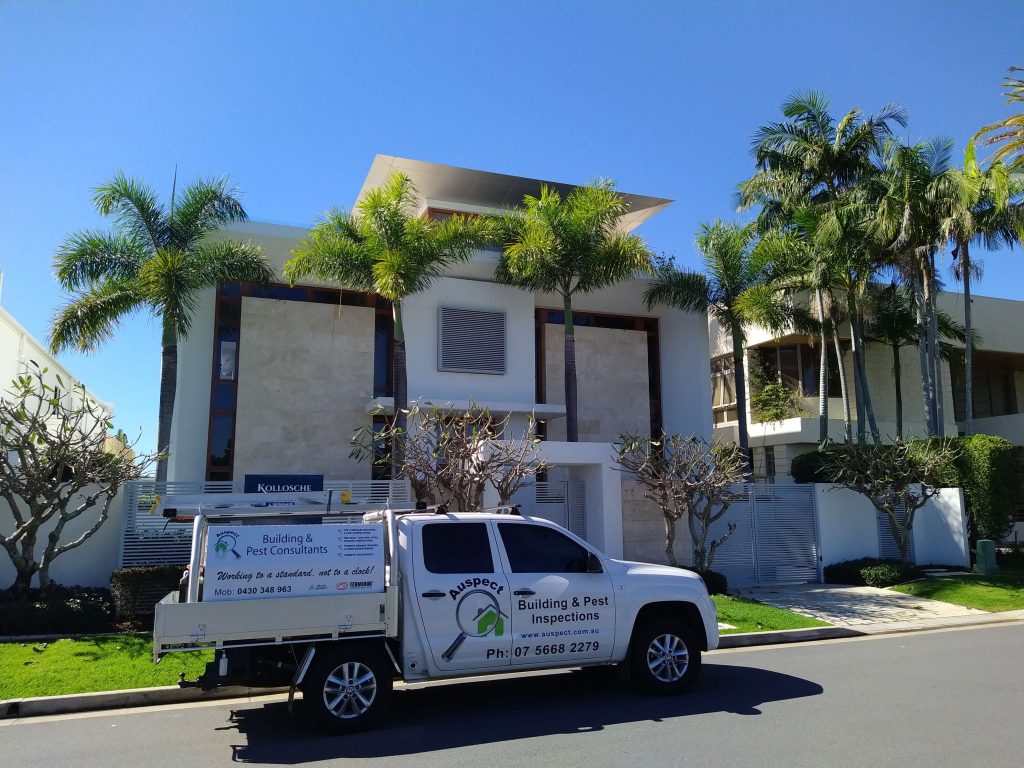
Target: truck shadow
{"x":466,"y":714}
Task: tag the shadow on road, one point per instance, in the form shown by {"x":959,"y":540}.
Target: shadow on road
{"x":451,"y":716}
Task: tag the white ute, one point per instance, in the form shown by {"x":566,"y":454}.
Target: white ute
{"x":341,"y":604}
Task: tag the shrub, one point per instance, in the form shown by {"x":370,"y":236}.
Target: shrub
{"x":848,"y":571}
{"x":806,"y":467}
{"x":58,"y":610}
{"x":889,"y":572}
{"x":716,"y":582}
{"x":138,"y":589}
{"x":871,"y":572}
{"x":992,"y":482}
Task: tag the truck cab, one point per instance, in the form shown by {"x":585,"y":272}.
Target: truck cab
{"x":464,"y":594}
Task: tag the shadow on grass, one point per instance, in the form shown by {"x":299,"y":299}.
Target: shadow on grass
{"x":466,"y":714}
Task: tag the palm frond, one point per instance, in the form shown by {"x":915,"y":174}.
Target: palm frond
{"x":87,"y":257}
{"x":91,"y":317}
{"x":222,"y":261}
{"x":134,"y":207}
{"x":204,"y":206}
{"x":682,"y":289}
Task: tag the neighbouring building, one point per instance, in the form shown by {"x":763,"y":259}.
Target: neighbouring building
{"x":793,"y":359}
{"x":277,"y":378}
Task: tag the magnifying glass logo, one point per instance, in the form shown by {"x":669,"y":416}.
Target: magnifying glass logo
{"x":478,"y":614}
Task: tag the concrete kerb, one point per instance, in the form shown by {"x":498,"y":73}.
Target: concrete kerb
{"x":142,"y":697}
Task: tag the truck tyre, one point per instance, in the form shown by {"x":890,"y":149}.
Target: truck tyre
{"x":348,"y":688}
{"x":664,"y":657}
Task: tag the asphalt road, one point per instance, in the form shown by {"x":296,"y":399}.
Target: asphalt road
{"x":945,"y":698}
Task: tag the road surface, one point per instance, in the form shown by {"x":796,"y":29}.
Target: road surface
{"x":935,"y":699}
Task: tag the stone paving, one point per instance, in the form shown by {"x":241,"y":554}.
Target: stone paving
{"x":861,"y":608}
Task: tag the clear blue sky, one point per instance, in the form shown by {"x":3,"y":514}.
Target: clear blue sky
{"x":293,"y":99}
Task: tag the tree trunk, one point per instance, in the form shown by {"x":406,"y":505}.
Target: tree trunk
{"x":936,"y":361}
{"x":858,"y":389}
{"x":897,"y":372}
{"x":168,"y":388}
{"x":920,"y":301}
{"x":869,"y":410}
{"x":740,"y":383}
{"x":965,"y":268}
{"x":400,"y":386}
{"x":670,"y":541}
{"x":843,"y":388}
{"x":571,"y":423}
{"x":822,"y":373}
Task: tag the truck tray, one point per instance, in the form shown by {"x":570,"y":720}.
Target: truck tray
{"x":192,"y":626}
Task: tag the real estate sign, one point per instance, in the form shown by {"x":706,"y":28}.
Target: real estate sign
{"x":252,"y":562}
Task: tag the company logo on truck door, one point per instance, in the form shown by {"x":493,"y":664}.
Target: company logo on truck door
{"x":478,"y":614}
{"x":475,"y":583}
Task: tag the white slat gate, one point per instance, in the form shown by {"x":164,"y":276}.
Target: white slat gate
{"x":561,"y":502}
{"x":776,"y":537}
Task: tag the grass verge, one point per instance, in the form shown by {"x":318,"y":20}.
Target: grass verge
{"x":100,"y":663}
{"x":752,"y":616}
{"x":999,"y":592}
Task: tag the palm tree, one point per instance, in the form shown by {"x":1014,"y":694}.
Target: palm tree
{"x":732,"y":272}
{"x":1009,"y":132}
{"x":893,"y":323}
{"x":385,"y":247}
{"x":977,"y":206}
{"x":154,"y":259}
{"x":570,"y":246}
{"x":812,"y":162}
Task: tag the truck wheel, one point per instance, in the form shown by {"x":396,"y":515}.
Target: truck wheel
{"x":348,"y":688}
{"x":664,"y":657}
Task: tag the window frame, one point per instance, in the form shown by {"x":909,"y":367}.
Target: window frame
{"x":506,"y":556}
{"x":448,"y":525}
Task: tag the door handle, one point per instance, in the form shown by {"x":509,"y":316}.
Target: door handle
{"x":433,"y":594}
{"x":524,"y":592}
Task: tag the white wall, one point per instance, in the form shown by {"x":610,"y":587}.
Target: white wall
{"x":90,"y":564}
{"x":848,"y":526}
{"x":420,"y":319}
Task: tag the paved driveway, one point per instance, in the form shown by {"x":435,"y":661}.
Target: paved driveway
{"x":862,"y":608}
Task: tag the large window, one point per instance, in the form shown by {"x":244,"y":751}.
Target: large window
{"x":797,"y":366}
{"x":723,"y":389}
{"x":994,"y":383}
{"x":539,"y":549}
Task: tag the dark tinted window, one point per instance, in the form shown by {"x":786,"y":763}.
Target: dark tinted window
{"x":457,"y":548}
{"x":539,"y":549}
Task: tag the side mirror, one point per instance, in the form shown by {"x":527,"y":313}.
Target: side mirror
{"x":594,"y":564}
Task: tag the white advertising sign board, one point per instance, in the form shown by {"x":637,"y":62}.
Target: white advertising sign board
{"x":253,"y":562}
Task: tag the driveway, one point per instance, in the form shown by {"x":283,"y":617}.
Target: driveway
{"x":863,"y":608}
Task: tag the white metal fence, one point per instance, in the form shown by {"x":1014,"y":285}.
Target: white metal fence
{"x":148,"y":539}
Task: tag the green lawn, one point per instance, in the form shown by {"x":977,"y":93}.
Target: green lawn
{"x":1000,"y":592}
{"x":752,"y":616}
{"x":100,"y":663}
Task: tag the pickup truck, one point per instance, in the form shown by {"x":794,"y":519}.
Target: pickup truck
{"x":458,"y":595}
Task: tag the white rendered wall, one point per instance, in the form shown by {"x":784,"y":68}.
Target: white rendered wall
{"x":88,"y":565}
{"x":848,"y":527}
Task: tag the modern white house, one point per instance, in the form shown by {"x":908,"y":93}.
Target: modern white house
{"x":998,"y":386}
{"x":277,"y":378}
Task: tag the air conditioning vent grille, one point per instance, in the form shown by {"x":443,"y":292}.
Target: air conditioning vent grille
{"x":471,"y":341}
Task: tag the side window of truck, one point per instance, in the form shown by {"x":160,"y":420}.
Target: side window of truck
{"x":539,"y":549}
{"x":457,"y":548}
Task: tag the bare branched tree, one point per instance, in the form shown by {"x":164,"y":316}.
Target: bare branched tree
{"x":898,"y":478}
{"x":451,"y":456}
{"x":55,"y":467}
{"x":686,"y":476}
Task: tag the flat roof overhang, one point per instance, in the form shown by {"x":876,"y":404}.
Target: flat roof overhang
{"x":484,"y":189}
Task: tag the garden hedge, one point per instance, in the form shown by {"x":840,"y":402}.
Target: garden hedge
{"x":138,"y":589}
{"x":871,"y":572}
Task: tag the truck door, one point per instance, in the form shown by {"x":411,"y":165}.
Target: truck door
{"x":462,"y":596}
{"x":560,"y":612}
